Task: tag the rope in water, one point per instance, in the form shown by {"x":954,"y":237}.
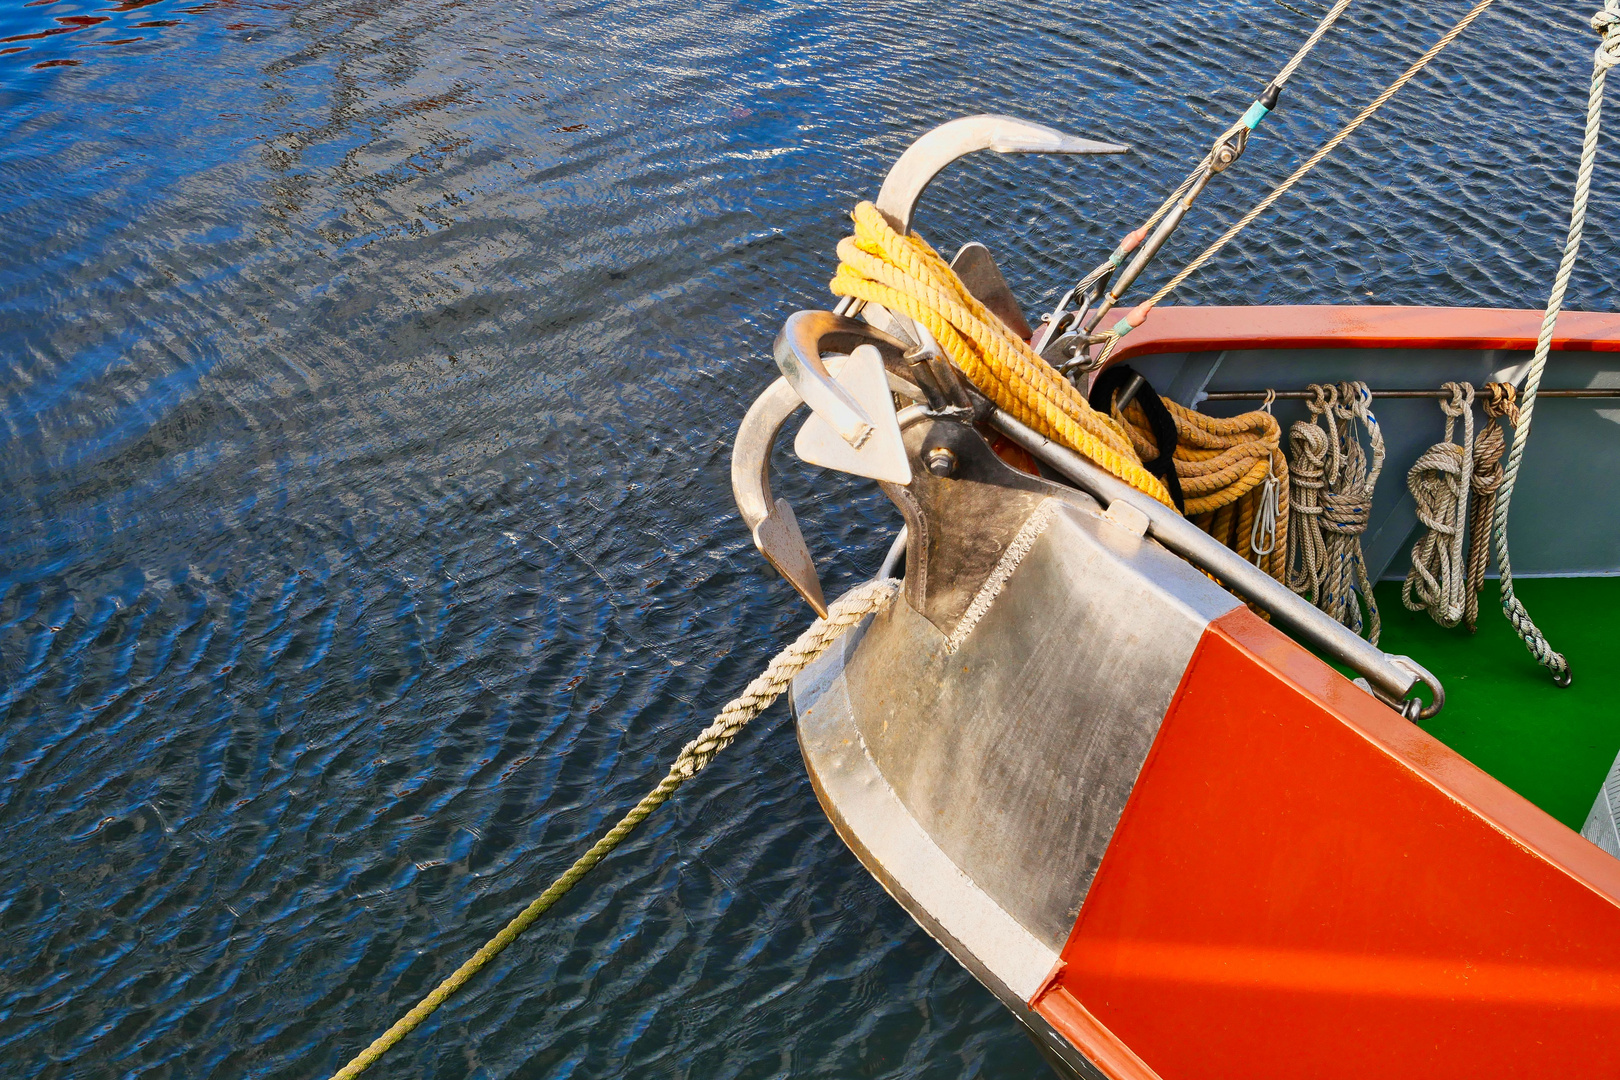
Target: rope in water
{"x":1139,"y":313}
{"x":902,"y":273}
{"x":851,"y":609}
{"x":1498,"y":402}
{"x":1439,"y":481}
{"x":1606,"y":23}
{"x":1332,"y":493}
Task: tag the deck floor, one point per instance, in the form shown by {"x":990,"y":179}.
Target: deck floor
{"x":1553,"y":746}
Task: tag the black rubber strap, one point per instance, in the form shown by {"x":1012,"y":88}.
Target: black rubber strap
{"x":1160,"y":423}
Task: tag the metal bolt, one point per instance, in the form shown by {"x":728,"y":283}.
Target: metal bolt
{"x":941,"y":462}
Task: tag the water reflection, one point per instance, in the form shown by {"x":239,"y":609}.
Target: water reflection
{"x":51,"y":37}
{"x":367,"y":376}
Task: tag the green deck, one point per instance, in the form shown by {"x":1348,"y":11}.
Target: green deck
{"x":1502,"y":711}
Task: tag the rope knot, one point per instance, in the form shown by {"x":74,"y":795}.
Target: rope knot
{"x":1605,"y":22}
{"x":1345,"y":512}
{"x":1501,"y":400}
{"x":1439,"y":481}
{"x":1332,"y":502}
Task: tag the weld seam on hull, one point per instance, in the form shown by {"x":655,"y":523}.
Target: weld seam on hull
{"x":1031,"y":531}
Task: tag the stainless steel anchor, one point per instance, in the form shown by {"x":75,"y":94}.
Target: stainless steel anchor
{"x":880,"y":455}
{"x":927,"y":157}
{"x":774,"y":526}
{"x":854,"y":427}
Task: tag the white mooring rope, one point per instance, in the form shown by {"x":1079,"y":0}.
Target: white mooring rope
{"x":1607,"y":23}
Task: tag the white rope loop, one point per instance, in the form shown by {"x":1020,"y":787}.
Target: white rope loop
{"x":1263,"y":534}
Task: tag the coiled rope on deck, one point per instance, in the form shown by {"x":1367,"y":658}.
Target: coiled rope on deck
{"x":1607,"y":23}
{"x":851,"y":609}
{"x":902,"y":273}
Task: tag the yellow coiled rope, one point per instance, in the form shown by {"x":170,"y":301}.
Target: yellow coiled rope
{"x":1223,"y":464}
{"x":904,"y":274}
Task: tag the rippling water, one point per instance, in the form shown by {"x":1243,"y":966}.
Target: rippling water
{"x":367,"y":380}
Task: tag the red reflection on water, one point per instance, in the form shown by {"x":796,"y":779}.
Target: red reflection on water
{"x":39,"y":34}
{"x":73,"y":23}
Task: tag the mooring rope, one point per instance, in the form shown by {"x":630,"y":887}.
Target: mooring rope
{"x":1439,"y":481}
{"x":1606,"y":23}
{"x":849,"y":611}
{"x":1140,"y":312}
{"x":1498,"y":401}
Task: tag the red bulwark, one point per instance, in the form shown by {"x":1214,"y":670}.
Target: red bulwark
{"x":1304,"y":885}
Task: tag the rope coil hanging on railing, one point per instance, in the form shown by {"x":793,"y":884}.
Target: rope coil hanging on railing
{"x":1439,"y":481}
{"x":1498,"y":402}
{"x":1331,"y":503}
{"x":1233,"y":476}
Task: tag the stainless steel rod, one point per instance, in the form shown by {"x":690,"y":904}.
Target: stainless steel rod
{"x":1242,"y":577}
{"x":1304,"y":395}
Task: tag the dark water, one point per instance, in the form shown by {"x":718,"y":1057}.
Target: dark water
{"x":369,"y":372}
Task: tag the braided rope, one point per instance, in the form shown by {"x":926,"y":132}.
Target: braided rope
{"x":1488,"y":447}
{"x":1606,"y":23}
{"x":1439,"y":481}
{"x":1140,"y":311}
{"x":1333,"y":489}
{"x":1308,"y":442}
{"x":902,"y":273}
{"x":850,"y":610}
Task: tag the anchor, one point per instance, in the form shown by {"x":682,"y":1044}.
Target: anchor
{"x":845,"y":369}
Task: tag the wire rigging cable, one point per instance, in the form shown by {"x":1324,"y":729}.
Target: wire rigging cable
{"x":1139,"y":313}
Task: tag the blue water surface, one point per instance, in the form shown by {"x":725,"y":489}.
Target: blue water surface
{"x":368,"y":372}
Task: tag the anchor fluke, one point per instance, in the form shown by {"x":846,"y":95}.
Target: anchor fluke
{"x":924,"y":159}
{"x":882,"y":456}
{"x":855,"y":412}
